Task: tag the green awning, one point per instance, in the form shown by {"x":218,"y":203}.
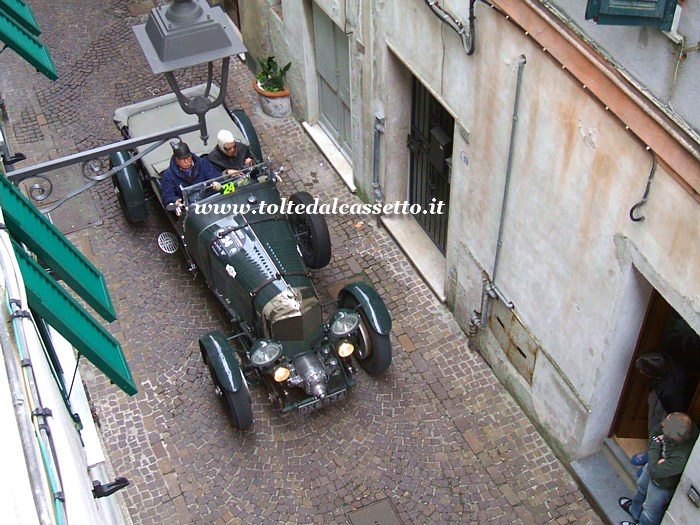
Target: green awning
{"x":49,"y":300}
{"x":26,"y":45}
{"x":22,"y":14}
{"x":26,"y":224}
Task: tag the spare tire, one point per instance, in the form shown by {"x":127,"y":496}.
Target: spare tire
{"x":310,"y":232}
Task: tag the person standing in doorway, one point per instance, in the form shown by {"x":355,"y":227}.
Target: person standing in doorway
{"x":670,"y":445}
{"x":667,"y":392}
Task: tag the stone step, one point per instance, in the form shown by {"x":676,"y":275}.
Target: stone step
{"x":621,"y":462}
{"x":603,"y":483}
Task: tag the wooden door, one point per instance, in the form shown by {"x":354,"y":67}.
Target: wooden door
{"x":333,"y":68}
{"x":664,"y":331}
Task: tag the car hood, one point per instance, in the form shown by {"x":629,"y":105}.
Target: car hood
{"x":259,"y":252}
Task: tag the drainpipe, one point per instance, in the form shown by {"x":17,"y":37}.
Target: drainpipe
{"x":378,"y":131}
{"x":21,"y":403}
{"x":489,"y":288}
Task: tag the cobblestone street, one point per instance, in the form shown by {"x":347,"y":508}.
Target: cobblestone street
{"x":437,"y":436}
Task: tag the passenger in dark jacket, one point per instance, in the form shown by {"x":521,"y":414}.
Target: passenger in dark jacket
{"x":229,"y":155}
{"x":185,"y":169}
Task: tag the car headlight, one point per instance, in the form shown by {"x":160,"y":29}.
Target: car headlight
{"x":265,"y":352}
{"x":281,"y":374}
{"x":345,"y":349}
{"x":344,"y":323}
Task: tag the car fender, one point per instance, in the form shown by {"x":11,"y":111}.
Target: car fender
{"x":376,"y":311}
{"x":222,"y":360}
{"x":128,"y":183}
{"x":246,"y":126}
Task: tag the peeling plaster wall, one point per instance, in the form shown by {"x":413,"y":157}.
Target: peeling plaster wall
{"x":571,"y":261}
{"x":335,"y":9}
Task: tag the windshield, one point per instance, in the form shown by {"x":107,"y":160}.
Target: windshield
{"x":204,"y":191}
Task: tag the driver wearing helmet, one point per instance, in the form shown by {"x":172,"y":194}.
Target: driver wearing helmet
{"x":229,"y":155}
{"x":185,"y":169}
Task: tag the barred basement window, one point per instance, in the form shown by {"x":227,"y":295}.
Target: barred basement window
{"x":654,"y":13}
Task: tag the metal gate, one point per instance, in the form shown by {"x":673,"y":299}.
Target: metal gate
{"x":430,"y":144}
{"x":333,"y":67}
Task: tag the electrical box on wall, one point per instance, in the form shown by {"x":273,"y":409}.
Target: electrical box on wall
{"x":517,"y":343}
{"x":440,"y":148}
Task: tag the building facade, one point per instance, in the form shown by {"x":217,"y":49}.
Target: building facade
{"x":567,"y":155}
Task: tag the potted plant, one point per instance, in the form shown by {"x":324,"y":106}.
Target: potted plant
{"x":269,"y":83}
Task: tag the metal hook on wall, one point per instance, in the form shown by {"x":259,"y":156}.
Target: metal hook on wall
{"x":646,"y":191}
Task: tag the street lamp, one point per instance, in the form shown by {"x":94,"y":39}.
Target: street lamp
{"x":187,"y":33}
{"x":182,"y":34}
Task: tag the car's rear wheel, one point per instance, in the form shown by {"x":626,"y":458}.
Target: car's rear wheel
{"x":240,"y":407}
{"x":373,"y":352}
{"x":311,"y":233}
{"x":127,"y":186}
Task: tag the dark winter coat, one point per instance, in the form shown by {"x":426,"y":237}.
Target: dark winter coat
{"x":223,"y":162}
{"x":667,"y":475}
{"x":174,"y":177}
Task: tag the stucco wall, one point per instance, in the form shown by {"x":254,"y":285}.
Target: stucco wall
{"x":285,"y":29}
{"x":335,"y":9}
{"x":568,"y":244}
{"x":682,"y":511}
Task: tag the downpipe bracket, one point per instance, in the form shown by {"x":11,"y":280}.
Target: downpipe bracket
{"x":493,"y":292}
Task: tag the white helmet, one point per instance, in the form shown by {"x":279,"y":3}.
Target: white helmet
{"x":224,"y":137}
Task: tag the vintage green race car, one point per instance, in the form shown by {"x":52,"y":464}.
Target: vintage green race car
{"x":256,"y":260}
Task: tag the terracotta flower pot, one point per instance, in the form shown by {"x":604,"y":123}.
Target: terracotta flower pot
{"x":274,"y":103}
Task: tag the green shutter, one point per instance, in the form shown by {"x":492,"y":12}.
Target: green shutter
{"x":643,"y":8}
{"x":49,"y":300}
{"x":26,"y":224}
{"x":653,"y":13}
{"x":26,"y":45}
{"x":20,"y":11}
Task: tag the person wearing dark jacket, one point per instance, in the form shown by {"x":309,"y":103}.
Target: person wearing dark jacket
{"x":670,"y":445}
{"x":667,"y":392}
{"x":229,"y":155}
{"x":185,"y":169}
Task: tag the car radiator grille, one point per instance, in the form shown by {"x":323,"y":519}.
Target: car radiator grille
{"x":298,"y":328}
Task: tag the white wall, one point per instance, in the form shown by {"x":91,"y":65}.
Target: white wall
{"x":682,"y":511}
{"x":74,"y":457}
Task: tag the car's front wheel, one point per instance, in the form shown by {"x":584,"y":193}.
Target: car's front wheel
{"x":240,"y":407}
{"x":373,"y":351}
{"x":239,"y":404}
{"x":311,"y":233}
